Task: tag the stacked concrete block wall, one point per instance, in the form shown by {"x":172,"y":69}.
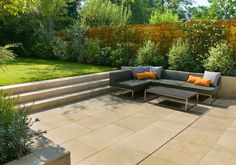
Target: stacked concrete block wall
{"x":50,"y":93}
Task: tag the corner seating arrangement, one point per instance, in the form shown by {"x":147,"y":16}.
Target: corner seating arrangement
{"x":124,"y":79}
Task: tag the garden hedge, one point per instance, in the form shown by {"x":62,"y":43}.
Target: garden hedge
{"x":163,"y":34}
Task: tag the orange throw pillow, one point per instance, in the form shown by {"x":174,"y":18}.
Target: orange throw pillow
{"x":151,"y":75}
{"x":203,"y":82}
{"x":141,"y":76}
{"x":192,"y":79}
{"x":146,"y":75}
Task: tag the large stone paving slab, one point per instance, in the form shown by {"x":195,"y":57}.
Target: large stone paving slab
{"x":113,"y":130}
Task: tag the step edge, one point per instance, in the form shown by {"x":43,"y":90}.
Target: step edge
{"x":57,"y":88}
{"x":64,"y":96}
{"x":44,"y":82}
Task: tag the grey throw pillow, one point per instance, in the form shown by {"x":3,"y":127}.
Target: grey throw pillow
{"x":213,"y":76}
{"x":157,"y":69}
{"x":146,"y":68}
{"x":139,"y":69}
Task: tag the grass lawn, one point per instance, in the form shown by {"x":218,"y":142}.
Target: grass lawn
{"x":27,"y":70}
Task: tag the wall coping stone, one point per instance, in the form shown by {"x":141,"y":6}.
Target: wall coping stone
{"x":44,"y":151}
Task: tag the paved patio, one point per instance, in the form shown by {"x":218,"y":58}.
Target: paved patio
{"x":112,"y":130}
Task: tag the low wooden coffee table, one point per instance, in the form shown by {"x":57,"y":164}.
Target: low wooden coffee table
{"x":176,"y":94}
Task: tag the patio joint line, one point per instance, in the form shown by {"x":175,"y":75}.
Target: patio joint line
{"x":174,"y":137}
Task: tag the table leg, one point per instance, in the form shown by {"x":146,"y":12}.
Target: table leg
{"x":210,"y":101}
{"x":145,"y":95}
{"x":186,"y":104}
{"x":132,"y":93}
{"x":197,"y":98}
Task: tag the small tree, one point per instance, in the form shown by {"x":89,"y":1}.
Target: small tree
{"x":166,"y":17}
{"x":180,"y":57}
{"x":220,"y":58}
{"x":104,"y":12}
{"x":148,"y":55}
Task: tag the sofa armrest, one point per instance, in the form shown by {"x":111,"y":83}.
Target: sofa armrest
{"x":120,"y":75}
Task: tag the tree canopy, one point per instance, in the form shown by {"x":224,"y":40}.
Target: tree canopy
{"x":14,"y":7}
{"x":218,"y":9}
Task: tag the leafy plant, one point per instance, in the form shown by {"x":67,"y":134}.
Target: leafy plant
{"x":165,"y":17}
{"x":122,"y":54}
{"x":69,"y":45}
{"x":6,"y":54}
{"x":92,"y":51}
{"x":104,"y":12}
{"x":75,"y":37}
{"x":201,"y":36}
{"x":148,"y":55}
{"x":35,"y":27}
{"x":15,"y":137}
{"x":180,"y":56}
{"x":60,"y":48}
{"x":126,"y":54}
{"x":140,"y":9}
{"x":220,"y":58}
{"x":14,"y":7}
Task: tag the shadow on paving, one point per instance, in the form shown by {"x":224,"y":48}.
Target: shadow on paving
{"x":199,"y":109}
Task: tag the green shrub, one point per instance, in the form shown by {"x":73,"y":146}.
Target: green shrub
{"x":69,"y":46}
{"x":166,"y":17}
{"x":15,"y":137}
{"x":202,"y":35}
{"x":181,"y":58}
{"x":76,"y":39}
{"x":118,"y":56}
{"x":220,"y":58}
{"x":126,"y":53}
{"x":6,"y":54}
{"x":60,"y":48}
{"x":92,"y":50}
{"x":148,"y":55}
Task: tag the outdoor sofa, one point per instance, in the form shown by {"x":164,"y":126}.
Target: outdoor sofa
{"x":125,"y":79}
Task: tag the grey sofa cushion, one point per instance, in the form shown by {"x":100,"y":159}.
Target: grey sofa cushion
{"x":213,"y":76}
{"x":168,"y":83}
{"x":133,"y":84}
{"x":200,"y":89}
{"x":176,"y":75}
{"x":120,"y":75}
{"x":157,"y":69}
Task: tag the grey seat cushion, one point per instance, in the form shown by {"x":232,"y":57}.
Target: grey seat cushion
{"x":168,"y":83}
{"x":176,"y":75}
{"x":133,"y":84}
{"x":200,"y":89}
{"x":120,"y":75}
